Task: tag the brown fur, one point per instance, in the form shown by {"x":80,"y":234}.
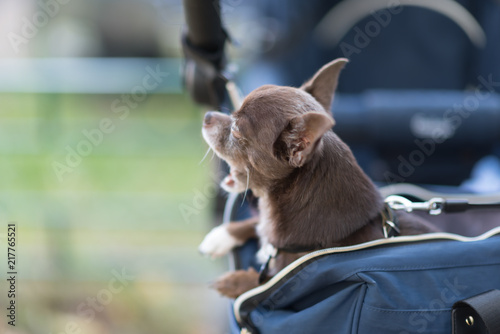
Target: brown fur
{"x":245,"y":229}
{"x":312,"y":193}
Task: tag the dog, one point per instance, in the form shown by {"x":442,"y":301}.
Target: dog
{"x":312,"y":193}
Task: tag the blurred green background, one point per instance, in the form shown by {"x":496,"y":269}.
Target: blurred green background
{"x":107,"y":244}
{"x":119,"y":209}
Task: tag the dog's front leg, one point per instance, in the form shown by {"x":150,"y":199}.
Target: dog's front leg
{"x":223,"y":238}
{"x":235,"y":283}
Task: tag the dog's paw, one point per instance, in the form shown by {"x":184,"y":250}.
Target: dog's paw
{"x":218,"y":242}
{"x":235,"y":283}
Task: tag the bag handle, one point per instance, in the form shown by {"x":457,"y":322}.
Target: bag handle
{"x":341,"y":18}
{"x":479,"y":314}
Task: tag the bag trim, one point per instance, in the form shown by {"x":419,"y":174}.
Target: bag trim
{"x":370,"y":244}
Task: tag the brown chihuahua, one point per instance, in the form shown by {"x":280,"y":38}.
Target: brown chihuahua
{"x":312,"y":193}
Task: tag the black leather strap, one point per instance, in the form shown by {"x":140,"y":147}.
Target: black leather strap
{"x":264,"y":270}
{"x":477,"y":315}
{"x":203,"y":43}
{"x":461,"y":205}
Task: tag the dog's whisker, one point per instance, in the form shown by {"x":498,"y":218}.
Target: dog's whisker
{"x":219,"y":161}
{"x":213,"y":155}
{"x":209,"y":148}
{"x":246,"y":189}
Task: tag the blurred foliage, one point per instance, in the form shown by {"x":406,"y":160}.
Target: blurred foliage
{"x":118,"y":209}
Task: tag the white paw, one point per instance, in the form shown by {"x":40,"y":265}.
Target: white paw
{"x":218,"y":242}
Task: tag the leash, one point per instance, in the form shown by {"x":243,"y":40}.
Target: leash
{"x":437,"y":205}
{"x":390,"y":224}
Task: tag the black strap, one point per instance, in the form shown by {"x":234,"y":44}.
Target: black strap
{"x":479,"y":314}
{"x":264,"y":270}
{"x":203,"y":43}
{"x":202,"y":73}
{"x":204,"y":23}
{"x":461,"y":205}
{"x":390,"y":225}
{"x":298,"y":249}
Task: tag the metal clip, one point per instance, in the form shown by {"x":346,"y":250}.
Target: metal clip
{"x":434,"y":206}
{"x":388,"y":225}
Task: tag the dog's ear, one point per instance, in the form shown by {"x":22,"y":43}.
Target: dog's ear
{"x":303,"y":135}
{"x":323,"y":84}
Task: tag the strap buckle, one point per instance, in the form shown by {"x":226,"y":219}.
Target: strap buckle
{"x":264,"y":269}
{"x":389,"y":222}
{"x":388,"y":227}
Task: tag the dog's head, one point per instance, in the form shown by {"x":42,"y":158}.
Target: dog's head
{"x":276,"y":130}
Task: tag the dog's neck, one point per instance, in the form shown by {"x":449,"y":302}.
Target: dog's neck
{"x":324,"y":203}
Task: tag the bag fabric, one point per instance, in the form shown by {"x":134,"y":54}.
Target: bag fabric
{"x":400,"y":285}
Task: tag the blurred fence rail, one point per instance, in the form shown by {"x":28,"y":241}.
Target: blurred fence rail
{"x":86,"y":75}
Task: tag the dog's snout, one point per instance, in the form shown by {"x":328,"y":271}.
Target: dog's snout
{"x":208,"y":118}
{"x":215,"y":119}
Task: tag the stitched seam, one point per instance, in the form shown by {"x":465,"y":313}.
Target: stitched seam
{"x":355,"y":272}
{"x":382,"y":310}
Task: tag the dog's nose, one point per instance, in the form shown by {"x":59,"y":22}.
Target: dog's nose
{"x":208,"y":118}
